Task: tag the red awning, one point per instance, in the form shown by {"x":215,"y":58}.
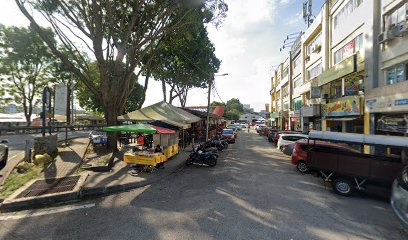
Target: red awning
{"x":162,"y":130}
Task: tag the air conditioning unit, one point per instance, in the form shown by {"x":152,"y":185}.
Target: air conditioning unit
{"x":393,"y":32}
{"x":316,"y":48}
{"x":383,"y":37}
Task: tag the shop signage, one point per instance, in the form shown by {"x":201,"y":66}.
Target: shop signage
{"x":296,"y":113}
{"x":346,"y":106}
{"x":391,"y":103}
{"x":315,"y":92}
{"x":274,"y":115}
{"x":311,"y":111}
{"x":345,"y":67}
{"x":393,"y":123}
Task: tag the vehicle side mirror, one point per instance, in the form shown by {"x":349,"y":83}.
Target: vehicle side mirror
{"x":4,"y":141}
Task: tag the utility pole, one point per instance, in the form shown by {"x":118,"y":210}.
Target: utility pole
{"x":209,"y":103}
{"x":208,"y":111}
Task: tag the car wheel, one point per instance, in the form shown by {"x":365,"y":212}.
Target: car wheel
{"x":302,"y":167}
{"x":343,"y":186}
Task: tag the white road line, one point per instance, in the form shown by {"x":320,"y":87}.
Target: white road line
{"x":14,"y":156}
{"x":36,"y":213}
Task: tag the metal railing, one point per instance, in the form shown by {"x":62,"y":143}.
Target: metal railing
{"x":36,"y":130}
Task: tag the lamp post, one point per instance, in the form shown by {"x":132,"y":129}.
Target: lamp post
{"x":208,"y":104}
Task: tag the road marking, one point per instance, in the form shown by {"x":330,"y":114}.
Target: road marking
{"x":36,"y":213}
{"x":14,"y":156}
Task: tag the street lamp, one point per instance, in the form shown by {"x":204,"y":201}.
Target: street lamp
{"x":209,"y":102}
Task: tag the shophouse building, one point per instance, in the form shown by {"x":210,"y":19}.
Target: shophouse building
{"x":387,"y":98}
{"x":315,"y":61}
{"x":350,"y":65}
{"x":295,"y":80}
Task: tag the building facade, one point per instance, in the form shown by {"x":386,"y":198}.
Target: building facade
{"x":387,"y":97}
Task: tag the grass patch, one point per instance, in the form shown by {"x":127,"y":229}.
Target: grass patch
{"x":22,"y":174}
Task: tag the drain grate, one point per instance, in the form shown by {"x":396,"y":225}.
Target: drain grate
{"x":49,"y":186}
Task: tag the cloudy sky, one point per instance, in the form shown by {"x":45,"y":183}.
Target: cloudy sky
{"x":248,"y":44}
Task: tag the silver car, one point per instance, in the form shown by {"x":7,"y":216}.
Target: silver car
{"x":399,"y":197}
{"x":3,"y":153}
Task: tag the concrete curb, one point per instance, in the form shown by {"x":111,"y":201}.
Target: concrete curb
{"x":82,"y":193}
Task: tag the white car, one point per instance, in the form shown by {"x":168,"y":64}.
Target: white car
{"x":286,"y":139}
{"x":244,"y":125}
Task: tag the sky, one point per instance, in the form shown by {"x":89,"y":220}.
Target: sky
{"x":248,"y":45}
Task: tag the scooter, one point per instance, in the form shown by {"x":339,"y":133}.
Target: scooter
{"x":199,"y":157}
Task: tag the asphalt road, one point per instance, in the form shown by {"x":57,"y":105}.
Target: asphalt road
{"x":253,"y":193}
{"x":17,"y":142}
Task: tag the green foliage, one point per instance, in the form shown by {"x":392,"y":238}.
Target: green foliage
{"x":25,"y":64}
{"x":233,"y":109}
{"x":215,"y":103}
{"x":185,"y":59}
{"x":232,"y":114}
{"x":234,"y":104}
{"x":90,"y":102}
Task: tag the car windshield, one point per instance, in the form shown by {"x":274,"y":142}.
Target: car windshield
{"x":228,"y":131}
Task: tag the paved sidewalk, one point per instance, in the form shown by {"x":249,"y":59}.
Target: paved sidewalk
{"x":68,"y":159}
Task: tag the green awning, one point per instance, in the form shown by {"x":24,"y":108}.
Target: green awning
{"x":137,"y":128}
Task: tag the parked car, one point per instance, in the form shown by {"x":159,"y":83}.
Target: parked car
{"x":3,"y":153}
{"x":277,"y":135}
{"x":271,"y":135}
{"x":348,"y":171}
{"x":258,"y":126}
{"x":300,"y":152}
{"x":285,"y":139}
{"x":288,"y":149}
{"x":399,"y":196}
{"x":244,"y":125}
{"x":229,"y":135}
{"x":238,"y":126}
{"x":98,"y":137}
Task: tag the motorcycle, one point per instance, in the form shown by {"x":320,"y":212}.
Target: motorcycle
{"x":200,"y":157}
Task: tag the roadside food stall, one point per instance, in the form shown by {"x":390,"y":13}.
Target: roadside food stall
{"x":167,"y":138}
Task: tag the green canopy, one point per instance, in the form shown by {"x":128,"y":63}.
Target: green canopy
{"x":137,"y":128}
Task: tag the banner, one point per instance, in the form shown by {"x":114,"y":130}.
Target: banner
{"x":60,"y":107}
{"x":346,"y":106}
{"x":393,"y":123}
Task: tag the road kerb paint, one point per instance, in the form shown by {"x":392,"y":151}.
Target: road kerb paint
{"x":41,"y":212}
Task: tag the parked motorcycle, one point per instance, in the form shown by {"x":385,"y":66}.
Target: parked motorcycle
{"x":200,"y":157}
{"x":212,"y":150}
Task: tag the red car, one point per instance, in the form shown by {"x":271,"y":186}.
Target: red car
{"x":299,"y":154}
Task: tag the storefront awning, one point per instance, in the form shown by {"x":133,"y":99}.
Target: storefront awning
{"x":162,"y":130}
{"x":136,"y":128}
{"x":164,"y":112}
{"x":342,"y":119}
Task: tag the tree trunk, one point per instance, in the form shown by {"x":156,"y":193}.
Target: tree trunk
{"x":111,"y":117}
{"x":144,"y":90}
{"x":164,"y":91}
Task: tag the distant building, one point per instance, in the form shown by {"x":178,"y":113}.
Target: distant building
{"x":248,"y":117}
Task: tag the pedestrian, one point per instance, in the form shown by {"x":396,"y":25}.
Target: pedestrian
{"x":249,"y":127}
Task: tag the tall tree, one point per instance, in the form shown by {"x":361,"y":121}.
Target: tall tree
{"x":185,"y":59}
{"x":25,"y":63}
{"x":119,"y":32}
{"x":90,"y":102}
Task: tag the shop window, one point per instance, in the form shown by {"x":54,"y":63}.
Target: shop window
{"x":397,"y":73}
{"x":349,"y":49}
{"x":335,"y":89}
{"x":297,"y":83}
{"x":315,"y":71}
{"x":348,"y":9}
{"x":396,"y":17}
{"x":316,"y":41}
{"x":353,"y":85}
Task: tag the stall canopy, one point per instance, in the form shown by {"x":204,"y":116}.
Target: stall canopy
{"x":164,"y":112}
{"x":137,"y":128}
{"x":161,"y":130}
